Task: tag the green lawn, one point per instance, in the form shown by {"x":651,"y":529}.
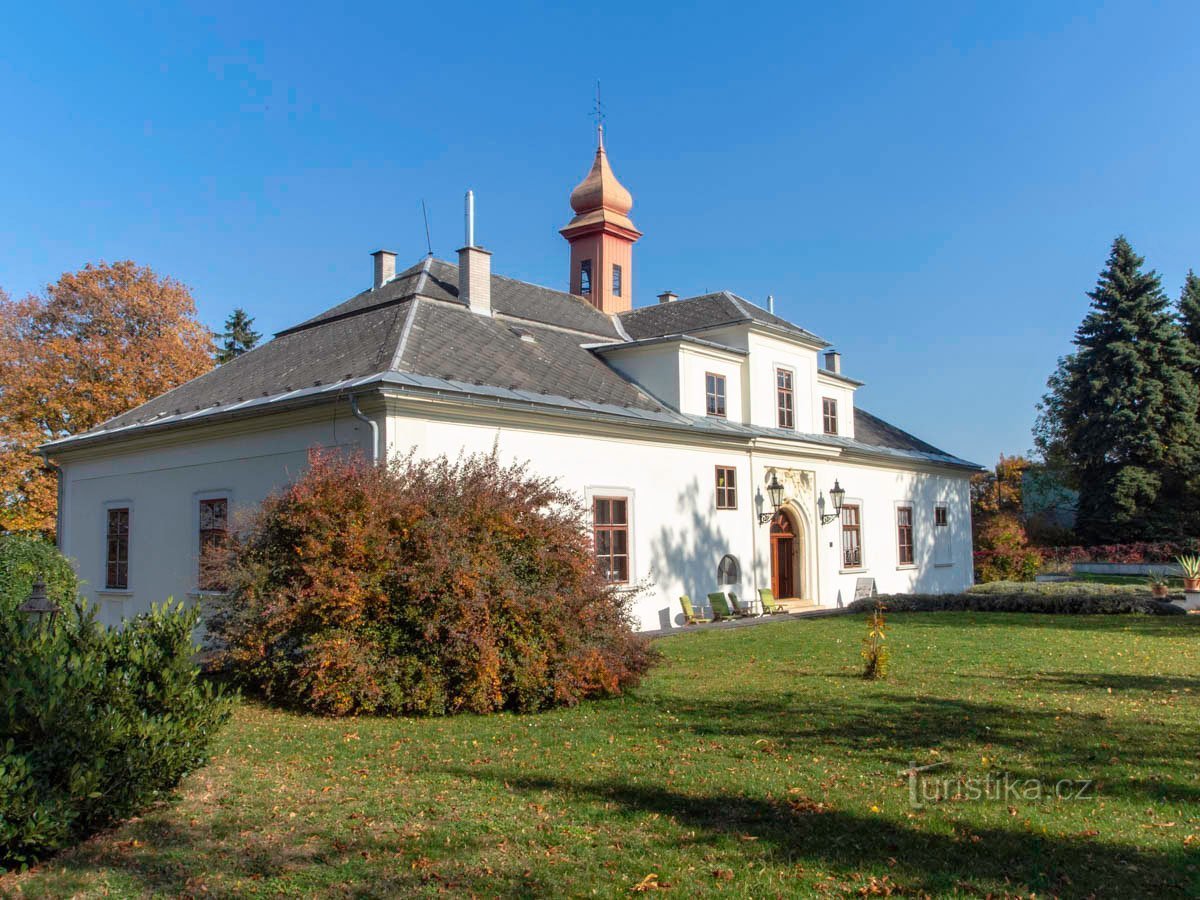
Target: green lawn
{"x":753,"y":762}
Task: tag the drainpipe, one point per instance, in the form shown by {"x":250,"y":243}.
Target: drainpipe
{"x":358,"y":414}
{"x":754,"y":520}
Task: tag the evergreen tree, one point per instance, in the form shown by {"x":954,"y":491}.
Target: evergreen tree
{"x":1189,"y":316}
{"x":238,"y":336}
{"x":1120,"y":413}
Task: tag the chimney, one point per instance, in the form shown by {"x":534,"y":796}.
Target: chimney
{"x":668,"y":297}
{"x":474,"y":268}
{"x":385,"y":267}
{"x":771,"y":304}
{"x":833,"y":362}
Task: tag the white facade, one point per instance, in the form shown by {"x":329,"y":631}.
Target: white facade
{"x":666,"y":472}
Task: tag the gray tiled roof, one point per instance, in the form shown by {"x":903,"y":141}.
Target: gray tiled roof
{"x":413,"y":334}
{"x":706,"y":311}
{"x":438,"y":280}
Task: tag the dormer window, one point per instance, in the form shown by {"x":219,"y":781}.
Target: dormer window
{"x":714,"y":394}
{"x":585,"y":277}
{"x":785,"y":397}
{"x":616,"y":281}
{"x":829,"y":415}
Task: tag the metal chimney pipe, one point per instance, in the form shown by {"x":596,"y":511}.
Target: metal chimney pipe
{"x":771,"y":304}
{"x":470,"y":213}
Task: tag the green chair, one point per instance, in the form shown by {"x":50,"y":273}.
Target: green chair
{"x":689,"y":614}
{"x":766,"y":597}
{"x":738,"y":609}
{"x":720,"y":606}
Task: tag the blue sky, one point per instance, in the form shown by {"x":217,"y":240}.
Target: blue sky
{"x":932,"y":187}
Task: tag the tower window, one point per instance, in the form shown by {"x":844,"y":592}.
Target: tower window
{"x":616,"y":281}
{"x":585,"y":277}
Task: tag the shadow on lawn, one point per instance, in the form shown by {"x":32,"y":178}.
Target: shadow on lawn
{"x":381,"y":864}
{"x":899,"y":728}
{"x":918,"y":860}
{"x":1127,"y":623}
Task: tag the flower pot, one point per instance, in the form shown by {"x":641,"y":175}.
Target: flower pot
{"x":1191,"y":584}
{"x":1158,"y":590}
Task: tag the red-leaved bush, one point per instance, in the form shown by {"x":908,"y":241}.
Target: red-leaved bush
{"x":422,"y":587}
{"x":1140,"y":552}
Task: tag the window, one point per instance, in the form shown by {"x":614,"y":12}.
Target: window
{"x":585,"y":277}
{"x":728,"y":570}
{"x":904,"y":535}
{"x":714,"y":394}
{"x":616,"y":281}
{"x":726,"y":487}
{"x":214,"y":526}
{"x":829,"y":414}
{"x":785,"y":398}
{"x":116,"y":563}
{"x":851,"y":536}
{"x":610,"y":527}
{"x":941,"y":536}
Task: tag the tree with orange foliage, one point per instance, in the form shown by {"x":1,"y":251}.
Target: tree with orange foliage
{"x":101,"y":341}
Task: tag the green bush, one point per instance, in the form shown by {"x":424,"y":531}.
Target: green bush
{"x":1136,"y":588}
{"x":95,"y":723}
{"x":23,"y":557}
{"x":1021,"y":601}
{"x":425,"y":587}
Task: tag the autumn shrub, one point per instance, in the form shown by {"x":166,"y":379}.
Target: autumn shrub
{"x":1139,"y":552}
{"x":95,"y":723}
{"x":1002,"y":551}
{"x":422,"y":587}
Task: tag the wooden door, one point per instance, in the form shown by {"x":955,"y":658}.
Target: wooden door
{"x":783,"y":557}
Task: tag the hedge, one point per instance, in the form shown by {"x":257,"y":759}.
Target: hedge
{"x":1023,"y":602}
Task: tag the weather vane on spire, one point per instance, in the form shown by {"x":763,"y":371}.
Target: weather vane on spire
{"x":598,"y":109}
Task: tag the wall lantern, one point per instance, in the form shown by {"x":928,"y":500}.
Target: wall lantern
{"x":39,"y":608}
{"x":775,"y":493}
{"x":838,"y":496}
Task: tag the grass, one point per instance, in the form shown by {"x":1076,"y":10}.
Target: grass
{"x":754,"y":762}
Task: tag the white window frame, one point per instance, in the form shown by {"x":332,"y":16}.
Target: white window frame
{"x":126,"y":591}
{"x":225,"y":494}
{"x":775,"y":370}
{"x":938,"y":562}
{"x":629,"y":495}
{"x":911,"y":506}
{"x":862,"y":538}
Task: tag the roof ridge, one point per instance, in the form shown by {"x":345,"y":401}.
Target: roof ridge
{"x":402,"y":344}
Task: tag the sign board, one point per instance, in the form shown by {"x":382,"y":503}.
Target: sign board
{"x":864,"y":588}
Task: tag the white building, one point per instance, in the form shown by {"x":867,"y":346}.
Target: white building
{"x":669,"y":420}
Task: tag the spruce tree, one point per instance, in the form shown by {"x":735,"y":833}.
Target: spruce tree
{"x":238,"y":336}
{"x":1189,"y":316}
{"x":1120,"y":413}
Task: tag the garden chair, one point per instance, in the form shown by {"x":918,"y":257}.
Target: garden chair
{"x":738,"y":609}
{"x":720,"y":606}
{"x":689,"y":614}
{"x":766,"y":597}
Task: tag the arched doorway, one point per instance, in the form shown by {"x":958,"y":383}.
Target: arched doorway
{"x":786,"y":565}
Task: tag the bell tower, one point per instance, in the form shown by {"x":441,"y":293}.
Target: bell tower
{"x":602,"y":237}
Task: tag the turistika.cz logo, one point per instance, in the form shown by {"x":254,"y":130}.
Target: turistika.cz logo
{"x":995,"y":787}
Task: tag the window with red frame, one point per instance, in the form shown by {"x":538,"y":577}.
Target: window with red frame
{"x":610,"y":530}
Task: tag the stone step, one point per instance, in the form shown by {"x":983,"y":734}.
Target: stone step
{"x":796,"y":605}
